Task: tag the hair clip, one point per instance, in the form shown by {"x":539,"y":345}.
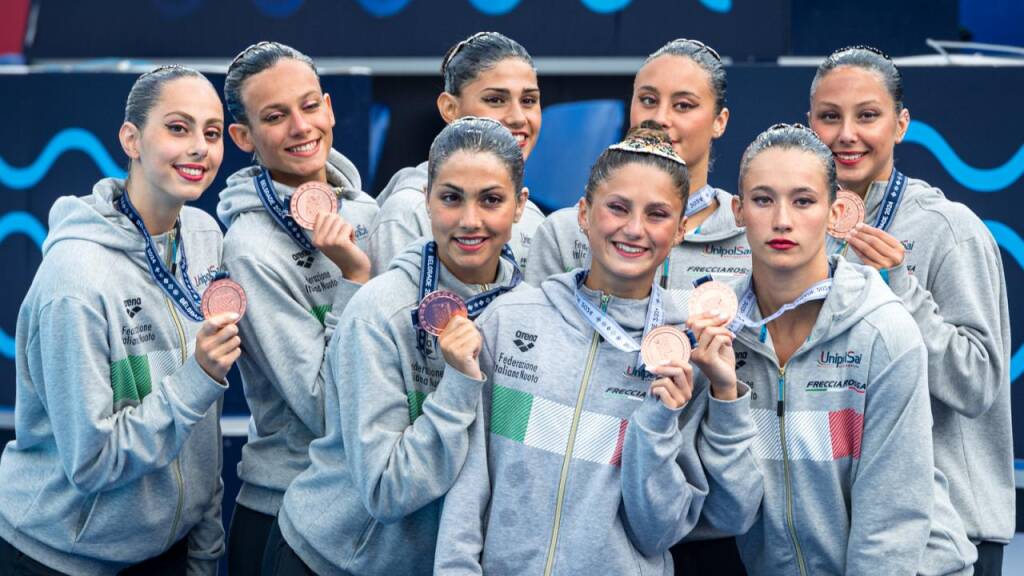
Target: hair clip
{"x":714,"y":53}
{"x":458,"y":48}
{"x":647,"y":145}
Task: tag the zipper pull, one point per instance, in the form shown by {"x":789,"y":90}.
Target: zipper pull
{"x":605,"y":298}
{"x":781,"y":405}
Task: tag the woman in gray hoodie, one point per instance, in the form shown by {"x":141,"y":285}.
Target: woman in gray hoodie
{"x":487,"y":75}
{"x":681,"y":87}
{"x":944,"y":265}
{"x":298,"y":281}
{"x":837,"y":371}
{"x":116,"y":463}
{"x":583,"y":460}
{"x":396,"y":437}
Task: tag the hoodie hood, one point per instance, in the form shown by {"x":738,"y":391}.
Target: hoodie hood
{"x":240,"y":193}
{"x":94,"y":218}
{"x":857,"y":291}
{"x":720,"y":225}
{"x":410,"y":262}
{"x":631,"y":314}
{"x":411,"y":177}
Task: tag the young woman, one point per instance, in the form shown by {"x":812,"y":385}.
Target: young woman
{"x":487,"y":75}
{"x":370,"y":501}
{"x":682,"y":88}
{"x":116,"y":465}
{"x":943,"y":263}
{"x":299,"y":281}
{"x":839,"y":378}
{"x":580,"y":459}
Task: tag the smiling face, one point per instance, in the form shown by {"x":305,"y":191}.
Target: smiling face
{"x":632,"y":221}
{"x":290,"y":122}
{"x":508,"y":93}
{"x":785,"y":207}
{"x":855,"y":116}
{"x":676,"y":92}
{"x":472,"y":204}
{"x":176,"y":154}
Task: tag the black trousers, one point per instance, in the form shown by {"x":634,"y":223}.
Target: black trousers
{"x":279,"y":559}
{"x":247,"y":539}
{"x":718,"y":557}
{"x":173,"y":562}
{"x":990,"y":559}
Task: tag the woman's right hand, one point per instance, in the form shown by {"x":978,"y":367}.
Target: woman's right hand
{"x":218,"y":345}
{"x":336,"y":238}
{"x":460,"y":344}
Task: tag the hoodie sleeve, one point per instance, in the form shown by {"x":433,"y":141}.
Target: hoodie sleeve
{"x":548,"y":250}
{"x":101,"y":449}
{"x":736,"y":484}
{"x":960,"y":317}
{"x":460,"y":538}
{"x":206,"y":539}
{"x":891,"y":497}
{"x":663,"y":485}
{"x":397,"y":466}
{"x":284,"y":340}
{"x":400,"y":222}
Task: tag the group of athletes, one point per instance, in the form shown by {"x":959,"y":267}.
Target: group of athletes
{"x":443,"y":380}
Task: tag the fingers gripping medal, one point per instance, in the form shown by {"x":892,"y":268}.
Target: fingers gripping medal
{"x":713,"y":296}
{"x":438,"y":308}
{"x":664,"y":344}
{"x":850,"y":214}
{"x":223,"y":295}
{"x":311,"y":199}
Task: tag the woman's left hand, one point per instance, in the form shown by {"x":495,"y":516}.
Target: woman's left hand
{"x":714,"y":354}
{"x":875,"y":247}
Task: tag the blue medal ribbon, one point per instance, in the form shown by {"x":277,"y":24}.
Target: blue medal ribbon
{"x":185,"y":298}
{"x":278,"y":210}
{"x":429,"y":274}
{"x":890,"y":204}
{"x":609,"y":329}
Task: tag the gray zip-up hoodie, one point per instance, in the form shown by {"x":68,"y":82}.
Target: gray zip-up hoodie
{"x":403,"y":219}
{"x":573,"y":467}
{"x":118,"y":448}
{"x":294,"y":300}
{"x":952,"y":283}
{"x":844,"y":442}
{"x":370,"y":501}
{"x":718,"y":248}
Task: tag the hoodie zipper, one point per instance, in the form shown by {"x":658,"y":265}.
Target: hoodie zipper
{"x":184,"y":350}
{"x":781,"y":411}
{"x":567,"y":459}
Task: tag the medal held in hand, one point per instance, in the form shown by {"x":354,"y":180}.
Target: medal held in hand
{"x":851,"y":213}
{"x":711,"y":296}
{"x":664,"y":344}
{"x":222,"y":296}
{"x":438,"y":308}
{"x":311,"y":199}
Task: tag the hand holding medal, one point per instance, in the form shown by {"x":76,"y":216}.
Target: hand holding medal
{"x":666,"y":353}
{"x":217,"y":342}
{"x":444,"y":314}
{"x":714,"y":354}
{"x":876,"y":248}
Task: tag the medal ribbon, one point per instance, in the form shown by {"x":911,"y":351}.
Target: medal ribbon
{"x":277,"y":209}
{"x":700,"y":200}
{"x":891,"y":202}
{"x":429,"y":273}
{"x":819,"y":291}
{"x":609,"y":329}
{"x":185,"y":298}
{"x":697,"y":201}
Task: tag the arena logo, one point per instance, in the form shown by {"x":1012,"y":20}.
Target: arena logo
{"x":839,"y":359}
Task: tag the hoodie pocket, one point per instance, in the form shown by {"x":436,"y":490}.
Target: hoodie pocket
{"x":364,"y":538}
{"x":86,"y":514}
